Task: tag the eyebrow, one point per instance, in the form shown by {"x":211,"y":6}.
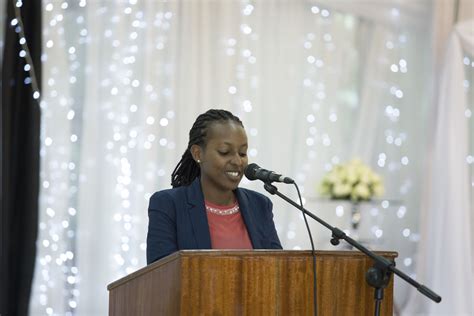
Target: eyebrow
{"x":230,"y":144}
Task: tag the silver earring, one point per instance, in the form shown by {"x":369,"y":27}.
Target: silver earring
{"x":198,"y":161}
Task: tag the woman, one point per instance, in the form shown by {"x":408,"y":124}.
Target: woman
{"x":205,"y":209}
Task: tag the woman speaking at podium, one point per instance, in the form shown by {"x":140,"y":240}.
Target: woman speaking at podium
{"x":206,"y":209}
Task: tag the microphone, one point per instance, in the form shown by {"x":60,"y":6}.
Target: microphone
{"x":254,"y":172}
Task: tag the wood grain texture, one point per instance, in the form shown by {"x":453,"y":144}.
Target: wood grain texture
{"x":259,"y":282}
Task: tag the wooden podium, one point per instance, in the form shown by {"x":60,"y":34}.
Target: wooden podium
{"x":259,"y":282}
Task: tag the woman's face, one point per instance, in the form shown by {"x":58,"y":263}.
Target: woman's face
{"x":223,"y":158}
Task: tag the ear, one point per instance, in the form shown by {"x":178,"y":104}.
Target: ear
{"x":196,"y":152}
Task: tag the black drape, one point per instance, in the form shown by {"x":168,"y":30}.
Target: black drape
{"x":20,"y":161}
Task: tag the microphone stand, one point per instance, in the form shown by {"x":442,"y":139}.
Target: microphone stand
{"x":378,"y":276}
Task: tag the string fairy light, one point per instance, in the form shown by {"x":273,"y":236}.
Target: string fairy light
{"x":17,"y":22}
{"x":325,"y":147}
{"x":468,"y":62}
{"x":133,"y":127}
{"x":134,"y":107}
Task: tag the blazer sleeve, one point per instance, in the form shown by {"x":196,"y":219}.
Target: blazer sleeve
{"x":272,"y":237}
{"x":161,"y":238}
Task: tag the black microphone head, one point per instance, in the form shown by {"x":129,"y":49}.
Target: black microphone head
{"x":251,"y":170}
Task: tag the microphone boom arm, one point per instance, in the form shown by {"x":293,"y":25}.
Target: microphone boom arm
{"x":381,"y":263}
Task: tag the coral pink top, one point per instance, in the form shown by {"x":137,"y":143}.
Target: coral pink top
{"x":227,"y":227}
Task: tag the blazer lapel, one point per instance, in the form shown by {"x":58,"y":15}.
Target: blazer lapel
{"x":245,"y":209}
{"x":197,"y":214}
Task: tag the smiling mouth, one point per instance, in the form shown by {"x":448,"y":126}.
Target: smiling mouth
{"x":233,"y":174}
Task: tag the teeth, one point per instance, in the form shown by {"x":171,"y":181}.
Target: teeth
{"x":234,"y":174}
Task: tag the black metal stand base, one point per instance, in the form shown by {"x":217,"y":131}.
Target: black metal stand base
{"x":378,"y":277}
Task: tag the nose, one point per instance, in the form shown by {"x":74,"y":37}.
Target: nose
{"x":236,"y":160}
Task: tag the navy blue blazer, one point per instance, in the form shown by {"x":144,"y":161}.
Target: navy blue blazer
{"x":178,"y":220}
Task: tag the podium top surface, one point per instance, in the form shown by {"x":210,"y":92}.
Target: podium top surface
{"x":245,"y":254}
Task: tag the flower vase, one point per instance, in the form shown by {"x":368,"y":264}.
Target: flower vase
{"x":355,"y":220}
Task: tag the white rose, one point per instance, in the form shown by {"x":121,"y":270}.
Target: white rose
{"x":341,"y":190}
{"x":332,"y":177}
{"x":355,"y":162}
{"x":365,"y":176}
{"x":351,"y":176}
{"x":342,"y":174}
{"x":360,"y":191}
{"x":378,"y":189}
{"x":376,"y":178}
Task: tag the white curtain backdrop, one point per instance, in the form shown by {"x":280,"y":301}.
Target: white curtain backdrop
{"x":316,"y":83}
{"x":446,"y":254}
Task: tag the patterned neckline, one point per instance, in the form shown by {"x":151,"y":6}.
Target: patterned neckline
{"x":223,"y":211}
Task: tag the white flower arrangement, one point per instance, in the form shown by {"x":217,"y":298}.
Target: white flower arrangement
{"x":351,"y":181}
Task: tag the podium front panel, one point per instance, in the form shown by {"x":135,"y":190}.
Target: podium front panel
{"x":259,"y":282}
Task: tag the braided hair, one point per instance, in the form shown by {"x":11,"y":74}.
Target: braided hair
{"x":187,"y":169}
